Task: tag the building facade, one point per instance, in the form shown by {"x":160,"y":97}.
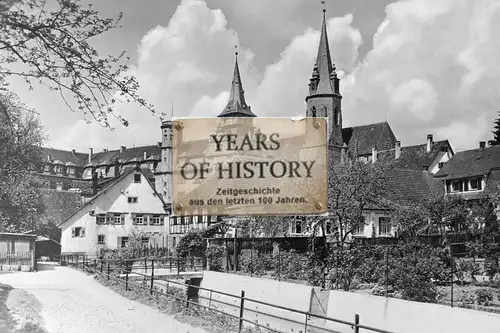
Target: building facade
{"x":129,"y":204}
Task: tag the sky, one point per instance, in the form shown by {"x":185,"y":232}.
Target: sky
{"x":425,"y":66}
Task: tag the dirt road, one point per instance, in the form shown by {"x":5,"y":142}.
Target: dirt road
{"x":73,"y":302}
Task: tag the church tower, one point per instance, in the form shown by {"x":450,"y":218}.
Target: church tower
{"x":238,"y":113}
{"x":324,"y":96}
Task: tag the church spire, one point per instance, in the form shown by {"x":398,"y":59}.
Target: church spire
{"x":324,"y":64}
{"x":237,"y":106}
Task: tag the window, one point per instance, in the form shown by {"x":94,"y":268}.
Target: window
{"x":297,"y":225}
{"x":78,"y":232}
{"x":475,"y":184}
{"x":156,"y":220}
{"x":71,"y":171}
{"x":65,"y":186}
{"x":188,"y":220}
{"x":145,"y":240}
{"x":101,"y":239}
{"x":58,"y":169}
{"x":59,"y":186}
{"x":137,"y":178}
{"x":139,"y":219}
{"x":132,"y":199}
{"x":456,"y":186}
{"x":46,"y":168}
{"x":174,"y":241}
{"x":117,"y":219}
{"x":313,"y":112}
{"x":440,"y":165}
{"x":336,"y":117}
{"x":384,"y":227}
{"x":329,"y":228}
{"x":101,"y":219}
{"x":123,"y":242}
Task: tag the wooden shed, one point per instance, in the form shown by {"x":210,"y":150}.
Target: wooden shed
{"x":17,"y":252}
{"x":47,"y":249}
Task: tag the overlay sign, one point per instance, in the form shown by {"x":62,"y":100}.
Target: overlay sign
{"x":249,"y":166}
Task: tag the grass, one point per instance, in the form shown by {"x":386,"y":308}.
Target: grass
{"x":194,"y":316}
{"x":20,"y":311}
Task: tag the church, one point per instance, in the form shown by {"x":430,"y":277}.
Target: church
{"x":86,"y":173}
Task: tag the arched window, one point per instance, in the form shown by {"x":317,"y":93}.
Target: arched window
{"x":325,"y":112}
{"x":336,"y":116}
{"x":313,"y":112}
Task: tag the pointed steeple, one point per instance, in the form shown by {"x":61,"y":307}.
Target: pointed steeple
{"x":324,"y":62}
{"x":237,"y":106}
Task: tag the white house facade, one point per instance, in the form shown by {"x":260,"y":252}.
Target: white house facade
{"x":130,"y":203}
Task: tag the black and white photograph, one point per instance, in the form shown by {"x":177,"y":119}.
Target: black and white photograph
{"x":249,"y":166}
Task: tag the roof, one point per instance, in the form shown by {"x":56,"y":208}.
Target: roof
{"x":475,"y":162}
{"x":408,"y":186}
{"x":115,"y":181}
{"x":324,"y":65}
{"x":416,"y":157}
{"x":44,"y":239}
{"x":362,"y":138}
{"x":65,"y":156}
{"x":16,"y":234}
{"x":237,"y":106}
{"x":108,"y":157}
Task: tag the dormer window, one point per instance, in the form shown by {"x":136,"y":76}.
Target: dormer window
{"x":58,"y":169}
{"x":46,"y":168}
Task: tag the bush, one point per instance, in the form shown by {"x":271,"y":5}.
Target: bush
{"x":484,"y":297}
{"x":215,"y":253}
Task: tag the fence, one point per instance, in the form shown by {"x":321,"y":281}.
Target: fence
{"x":113,"y":270}
{"x":17,"y":259}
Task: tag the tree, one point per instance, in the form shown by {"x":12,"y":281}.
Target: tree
{"x":54,"y":48}
{"x":496,"y":132}
{"x":354,"y":187}
{"x":20,"y":188}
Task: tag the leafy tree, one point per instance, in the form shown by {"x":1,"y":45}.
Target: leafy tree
{"x":194,"y":244}
{"x":496,"y":132}
{"x":355,"y":186}
{"x":52,"y":46}
{"x":21,"y":136}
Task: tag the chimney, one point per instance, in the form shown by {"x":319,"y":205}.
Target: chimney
{"x":374,"y":154}
{"x":48,"y":157}
{"x":159,"y":144}
{"x":94,"y":184}
{"x":117,"y":168}
{"x":105,"y":149}
{"x":398,"y":149}
{"x":91,"y":151}
{"x":482,"y":144}
{"x":429,"y":142}
{"x":73,"y":151}
{"x":122,"y":148}
{"x":145,"y":155}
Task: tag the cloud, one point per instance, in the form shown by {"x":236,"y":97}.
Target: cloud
{"x":433,"y":67}
{"x":184,"y":62}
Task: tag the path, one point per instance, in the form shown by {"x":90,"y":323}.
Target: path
{"x":74,"y":302}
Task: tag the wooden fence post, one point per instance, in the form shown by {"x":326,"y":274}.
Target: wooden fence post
{"x":356,"y":323}
{"x":126,"y":281}
{"x":242,"y":306}
{"x":152,"y":276}
{"x":187,"y":293}
{"x":108,"y":270}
